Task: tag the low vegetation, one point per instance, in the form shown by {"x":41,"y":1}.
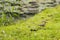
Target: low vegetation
{"x":42,"y":26}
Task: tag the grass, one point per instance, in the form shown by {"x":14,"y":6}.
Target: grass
{"x":31,"y":29}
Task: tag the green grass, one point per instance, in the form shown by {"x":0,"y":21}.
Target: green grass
{"x":30,"y":29}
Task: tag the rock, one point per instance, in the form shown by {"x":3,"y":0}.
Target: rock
{"x":31,"y":7}
{"x":57,"y":1}
{"x":39,"y":5}
{"x":43,"y":23}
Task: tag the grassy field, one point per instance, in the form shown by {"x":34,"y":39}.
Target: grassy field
{"x":42,"y":26}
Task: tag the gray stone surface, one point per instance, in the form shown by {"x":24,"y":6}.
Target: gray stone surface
{"x":38,"y":5}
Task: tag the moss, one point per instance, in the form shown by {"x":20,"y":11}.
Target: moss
{"x":22,"y":30}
